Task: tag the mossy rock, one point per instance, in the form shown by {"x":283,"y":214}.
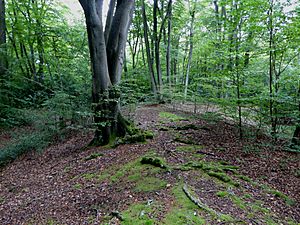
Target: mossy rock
{"x":138,"y":137}
{"x":131,"y":139}
{"x":154,"y":161}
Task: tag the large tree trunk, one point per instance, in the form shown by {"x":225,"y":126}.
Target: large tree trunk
{"x":3,"y":62}
{"x":106,"y":64}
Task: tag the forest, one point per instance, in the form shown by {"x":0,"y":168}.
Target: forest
{"x":150,"y":112}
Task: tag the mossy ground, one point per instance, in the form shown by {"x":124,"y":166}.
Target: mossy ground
{"x":170,"y":117}
{"x":103,"y":181}
{"x":183,"y":211}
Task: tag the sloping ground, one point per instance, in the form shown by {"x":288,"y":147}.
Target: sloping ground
{"x":194,"y":171}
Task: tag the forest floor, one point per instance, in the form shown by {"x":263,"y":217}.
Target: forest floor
{"x":195,"y":171}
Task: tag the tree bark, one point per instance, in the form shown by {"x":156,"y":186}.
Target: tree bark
{"x":117,"y":39}
{"x":157,"y":49}
{"x":271,"y":69}
{"x":106,"y":66}
{"x":148,"y":51}
{"x":190,"y":53}
{"x":109,"y":19}
{"x":168,"y":56}
{"x":296,"y":136}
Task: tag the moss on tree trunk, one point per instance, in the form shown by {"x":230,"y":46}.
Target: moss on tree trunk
{"x":111,"y":127}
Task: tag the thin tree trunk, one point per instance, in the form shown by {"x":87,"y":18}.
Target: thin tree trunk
{"x":157,"y":49}
{"x":190,"y":53}
{"x":169,"y":43}
{"x":148,"y":51}
{"x":117,"y":39}
{"x":296,"y":136}
{"x":109,"y":19}
{"x":271,"y":66}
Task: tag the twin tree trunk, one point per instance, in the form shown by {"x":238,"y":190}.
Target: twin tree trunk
{"x":107,"y":55}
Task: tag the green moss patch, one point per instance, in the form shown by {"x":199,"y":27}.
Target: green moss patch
{"x":257,"y":207}
{"x":189,"y":148}
{"x":184,"y":211}
{"x":170,"y":117}
{"x":77,"y":186}
{"x":184,"y":140}
{"x":284,"y":197}
{"x":214,"y":169}
{"x":244,"y":178}
{"x":154,"y":161}
{"x":239,"y":202}
{"x":221,"y":176}
{"x":222,"y":194}
{"x":147,"y":184}
{"x":116,"y":173}
{"x":139,"y":214}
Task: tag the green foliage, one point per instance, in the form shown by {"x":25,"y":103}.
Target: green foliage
{"x":57,"y":114}
{"x":36,"y":139}
{"x":134,"y":91}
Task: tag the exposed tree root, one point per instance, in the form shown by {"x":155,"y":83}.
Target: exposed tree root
{"x":197,"y":202}
{"x":117,"y":215}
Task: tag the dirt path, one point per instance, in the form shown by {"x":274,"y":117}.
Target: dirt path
{"x":235,"y":182}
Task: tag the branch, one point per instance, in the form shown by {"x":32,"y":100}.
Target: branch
{"x":289,"y":62}
{"x":163,"y":22}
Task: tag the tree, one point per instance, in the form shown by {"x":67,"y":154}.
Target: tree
{"x":191,"y":44}
{"x":2,"y":39}
{"x":106,"y":64}
{"x":148,"y":50}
